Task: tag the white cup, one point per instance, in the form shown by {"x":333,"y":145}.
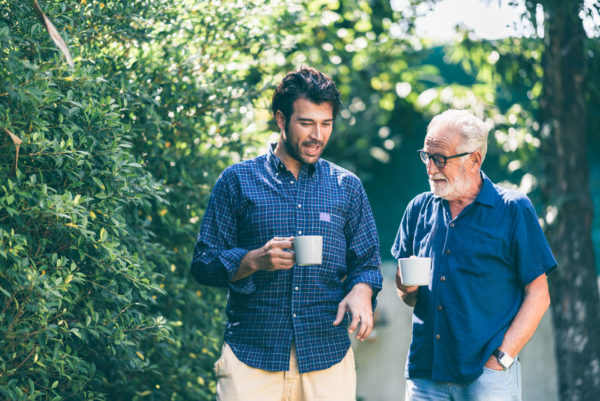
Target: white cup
{"x":308,"y":249}
{"x":415,"y":271}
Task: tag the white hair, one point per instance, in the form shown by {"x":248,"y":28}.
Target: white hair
{"x":473,"y":131}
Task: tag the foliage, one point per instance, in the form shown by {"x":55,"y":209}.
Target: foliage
{"x":75,"y":290}
{"x":98,"y":219}
{"x":392,"y":82}
{"x":378,"y":69}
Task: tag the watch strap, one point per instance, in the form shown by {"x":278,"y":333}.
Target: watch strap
{"x":503,"y":358}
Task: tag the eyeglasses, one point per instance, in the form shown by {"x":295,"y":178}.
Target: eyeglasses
{"x":439,"y":160}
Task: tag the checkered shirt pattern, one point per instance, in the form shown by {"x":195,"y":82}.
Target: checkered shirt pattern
{"x":259,"y":199}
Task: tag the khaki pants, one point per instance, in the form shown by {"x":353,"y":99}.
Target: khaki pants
{"x":237,"y":381}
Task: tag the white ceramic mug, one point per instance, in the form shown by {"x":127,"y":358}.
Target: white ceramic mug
{"x":415,"y":271}
{"x":308,"y":249}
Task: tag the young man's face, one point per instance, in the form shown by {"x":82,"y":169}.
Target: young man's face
{"x":308,"y":130}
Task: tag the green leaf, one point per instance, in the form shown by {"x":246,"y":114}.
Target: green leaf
{"x":2,"y":290}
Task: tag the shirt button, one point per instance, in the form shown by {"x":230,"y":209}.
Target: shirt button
{"x":437,"y":336}
{"x":299,"y":232}
{"x":299,"y":205}
{"x":448,"y":251}
{"x":294,"y":315}
{"x":443,"y":278}
{"x":291,"y":182}
{"x":440,"y":307}
{"x":452,"y":225}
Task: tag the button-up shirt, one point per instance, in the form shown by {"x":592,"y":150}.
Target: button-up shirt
{"x":256,"y":200}
{"x":481,"y":262}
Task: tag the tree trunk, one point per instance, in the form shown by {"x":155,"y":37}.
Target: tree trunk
{"x":565,"y":188}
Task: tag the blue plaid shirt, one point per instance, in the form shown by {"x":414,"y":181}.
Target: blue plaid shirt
{"x":259,"y":199}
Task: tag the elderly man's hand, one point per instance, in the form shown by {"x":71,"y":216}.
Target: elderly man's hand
{"x":408,"y":294}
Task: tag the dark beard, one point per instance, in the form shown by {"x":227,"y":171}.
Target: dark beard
{"x":294,"y":151}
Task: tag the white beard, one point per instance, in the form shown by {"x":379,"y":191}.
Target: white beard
{"x":453,"y":191}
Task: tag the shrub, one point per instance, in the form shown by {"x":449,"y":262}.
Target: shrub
{"x":98,"y":218}
{"x":75,"y":291}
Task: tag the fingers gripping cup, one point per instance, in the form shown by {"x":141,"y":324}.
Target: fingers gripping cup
{"x":308,"y":249}
{"x":415,"y":271}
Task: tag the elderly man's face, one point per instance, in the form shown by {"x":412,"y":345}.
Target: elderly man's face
{"x":452,"y":181}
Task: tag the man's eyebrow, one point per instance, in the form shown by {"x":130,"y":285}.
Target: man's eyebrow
{"x":312,"y":119}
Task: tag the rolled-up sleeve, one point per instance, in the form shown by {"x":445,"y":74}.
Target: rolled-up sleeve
{"x":362,"y":254}
{"x":217,"y":258}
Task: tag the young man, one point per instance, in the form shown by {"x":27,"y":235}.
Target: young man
{"x":488,"y":288}
{"x":287,"y":331}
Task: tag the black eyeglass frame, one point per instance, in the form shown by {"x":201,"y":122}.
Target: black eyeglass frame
{"x":440,"y":161}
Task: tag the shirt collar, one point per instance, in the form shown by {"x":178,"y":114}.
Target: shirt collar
{"x":278,"y":166}
{"x":274,"y":160}
{"x":488,"y":194}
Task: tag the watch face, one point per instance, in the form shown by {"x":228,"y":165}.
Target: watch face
{"x":505,"y":361}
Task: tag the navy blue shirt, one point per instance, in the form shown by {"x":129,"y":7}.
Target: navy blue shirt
{"x":481,"y":262}
{"x":259,"y":199}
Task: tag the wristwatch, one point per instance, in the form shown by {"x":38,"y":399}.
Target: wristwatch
{"x":504,"y":359}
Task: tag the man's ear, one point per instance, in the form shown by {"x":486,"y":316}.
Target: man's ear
{"x":476,"y":159}
{"x":280,"y":120}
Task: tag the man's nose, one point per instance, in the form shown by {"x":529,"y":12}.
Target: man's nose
{"x":317,"y":133}
{"x":431,"y":167}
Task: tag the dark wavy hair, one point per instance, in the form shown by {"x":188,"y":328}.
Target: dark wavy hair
{"x":307,"y":83}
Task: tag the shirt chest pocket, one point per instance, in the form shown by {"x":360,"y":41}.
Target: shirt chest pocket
{"x":476,"y":253}
{"x":329,"y":225}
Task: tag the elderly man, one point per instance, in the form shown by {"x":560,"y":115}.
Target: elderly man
{"x":488,"y":289}
{"x":287,"y":332}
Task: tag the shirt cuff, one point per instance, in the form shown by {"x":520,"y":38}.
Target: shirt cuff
{"x":372,"y":277}
{"x":231,"y":259}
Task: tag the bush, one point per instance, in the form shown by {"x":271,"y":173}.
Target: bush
{"x":98,"y":218}
{"x":75,"y":291}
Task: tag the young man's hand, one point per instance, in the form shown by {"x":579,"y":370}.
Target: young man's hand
{"x":358,"y":303}
{"x":274,"y":255}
